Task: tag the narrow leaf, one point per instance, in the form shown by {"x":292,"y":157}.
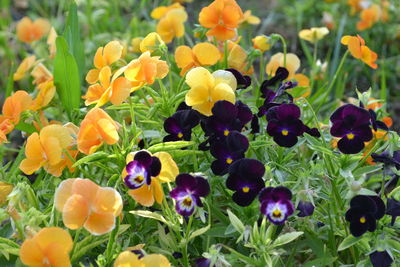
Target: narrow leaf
{"x":286,"y":238}
{"x":348,"y":242}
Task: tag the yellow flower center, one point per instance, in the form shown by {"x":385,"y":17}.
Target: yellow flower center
{"x":362,"y":220}
{"x":276,"y":213}
{"x":350,"y":136}
{"x":180,"y":135}
{"x":187,"y":201}
{"x":285,"y":132}
{"x":139,"y":179}
{"x":246,"y":189}
{"x":229,"y":160}
{"x":226,"y":132}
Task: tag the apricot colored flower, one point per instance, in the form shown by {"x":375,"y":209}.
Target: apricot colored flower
{"x":109,"y":88}
{"x":207,"y":88}
{"x":202,"y":54}
{"x":41,"y":74}
{"x":237,"y":58}
{"x":15,"y":104}
{"x":172,"y":25}
{"x":151,"y":42}
{"x":161,"y":11}
{"x":46,"y":92}
{"x":105,"y":56}
{"x":24,"y":67}
{"x":368,"y":17}
{"x":135,"y":44}
{"x":249,"y":18}
{"x":146,"y":194}
{"x":302,"y":81}
{"x":49,"y":247}
{"x":29,"y":31}
{"x":85,"y":204}
{"x":356,"y":6}
{"x":5,"y":190}
{"x":314,"y":34}
{"x":262,"y":43}
{"x":48,"y":149}
{"x":130,"y":259}
{"x":6,"y":126}
{"x":51,"y":42}
{"x":222,"y":17}
{"x":96,"y":128}
{"x":145,"y":70}
{"x":277,"y":60}
{"x":359,"y":50}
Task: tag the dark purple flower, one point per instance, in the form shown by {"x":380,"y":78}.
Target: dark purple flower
{"x":276,"y":204}
{"x":306,"y":209}
{"x":280,"y":75}
{"x":255,"y":125}
{"x":243,"y":81}
{"x":352,"y":125}
{"x":187,"y":193}
{"x":386,"y":159}
{"x":376,"y":123}
{"x":203,"y":262}
{"x":141,"y":169}
{"x":380,"y":259}
{"x":363,"y":213}
{"x":245,"y":178}
{"x":393,"y":209}
{"x":179,"y":126}
{"x":284,"y":124}
{"x":228,"y":151}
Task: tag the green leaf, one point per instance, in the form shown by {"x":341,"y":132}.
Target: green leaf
{"x":199,"y":232}
{"x":236,"y":222}
{"x":10,"y":81}
{"x":348,"y":242}
{"x":149,"y":214}
{"x":325,"y":261}
{"x":91,"y":158}
{"x":286,"y":238}
{"x":167,"y":146}
{"x":73,"y":38}
{"x":66,"y":77}
{"x":25,"y":127}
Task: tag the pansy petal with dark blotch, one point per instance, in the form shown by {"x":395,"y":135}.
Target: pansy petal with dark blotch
{"x":247,"y":168}
{"x":244,"y":114}
{"x":286,"y":111}
{"x":172,"y":126}
{"x":224,"y":110}
{"x":352,"y":146}
{"x":244,"y":199}
{"x":144,"y":158}
{"x":358,"y":229}
{"x":202,"y":187}
{"x":155,"y":166}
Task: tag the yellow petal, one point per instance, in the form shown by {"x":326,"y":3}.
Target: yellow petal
{"x":50,"y":235}
{"x":197,"y":95}
{"x":112,"y":52}
{"x":143,"y":195}
{"x":223,"y":76}
{"x":128,"y":259}
{"x":169,"y":169}
{"x":206,"y":54}
{"x":108,"y":131}
{"x":200,"y":77}
{"x":31,"y":254}
{"x":155,"y":260}
{"x":183,"y":56}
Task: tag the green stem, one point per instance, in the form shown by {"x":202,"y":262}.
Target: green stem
{"x":185,"y":250}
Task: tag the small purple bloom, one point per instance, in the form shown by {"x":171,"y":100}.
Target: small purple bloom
{"x":276,"y":204}
{"x":306,"y":209}
{"x":141,"y":169}
{"x":179,"y":126}
{"x":393,"y":209}
{"x":187,"y":193}
{"x":352,"y":125}
{"x":228,"y":151}
{"x":280,"y":75}
{"x":381,"y":259}
{"x":245,"y":178}
{"x":203,"y":262}
{"x":243,"y":81}
{"x":363,"y":213}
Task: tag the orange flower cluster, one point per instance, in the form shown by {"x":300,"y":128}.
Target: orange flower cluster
{"x":29,"y":31}
{"x":221,"y":17}
{"x":85,"y":204}
{"x":359,"y":50}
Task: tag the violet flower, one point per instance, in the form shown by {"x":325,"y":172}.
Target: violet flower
{"x":276,"y":204}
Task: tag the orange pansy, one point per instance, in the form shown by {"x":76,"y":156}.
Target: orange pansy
{"x":237,"y":58}
{"x":368,"y":17}
{"x":85,"y":204}
{"x":49,"y":247}
{"x":96,"y":128}
{"x":48,"y":149}
{"x":277,"y":60}
{"x":172,"y":25}
{"x":302,"y":81}
{"x":15,"y":104}
{"x":29,"y":31}
{"x":46,"y":93}
{"x":129,"y":259}
{"x":145,"y":70}
{"x":24,"y":67}
{"x":202,"y":54}
{"x":222,"y":17}
{"x":249,"y":18}
{"x":359,"y":50}
{"x":151,"y":42}
{"x":146,"y":195}
{"x":379,"y":134}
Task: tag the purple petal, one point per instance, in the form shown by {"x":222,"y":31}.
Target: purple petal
{"x":185,"y":181}
{"x":144,"y":158}
{"x":352,"y":146}
{"x":286,"y":111}
{"x":202,"y":187}
{"x":171,"y":125}
{"x":224,"y":110}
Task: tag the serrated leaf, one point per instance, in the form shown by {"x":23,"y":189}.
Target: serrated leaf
{"x":348,"y":242}
{"x":236,"y":222}
{"x":199,"y":232}
{"x":286,"y":238}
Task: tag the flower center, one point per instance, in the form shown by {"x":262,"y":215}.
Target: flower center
{"x":285,"y":132}
{"x":187,"y":201}
{"x":226,"y":132}
{"x":139,"y":179}
{"x":246,"y":189}
{"x":229,"y":160}
{"x":362,"y":219}
{"x":350,"y":136}
{"x":180,"y":135}
{"x":277,"y":213}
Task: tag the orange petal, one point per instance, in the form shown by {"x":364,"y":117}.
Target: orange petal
{"x":57,"y":256}
{"x":206,"y":54}
{"x":63,"y":192}
{"x":157,"y":190}
{"x":112,"y":52}
{"x":98,"y":224}
{"x":183,"y":56}
{"x":98,"y":60}
{"x":108,"y":131}
{"x":355,"y":47}
{"x":121,"y":89}
{"x":75,"y":212}
{"x":221,"y":33}
{"x":128,"y":259}
{"x":107,"y":200}
{"x":143,"y":195}
{"x":50,"y":235}
{"x":92,"y":76}
{"x":31,"y":254}
{"x":86,"y":188}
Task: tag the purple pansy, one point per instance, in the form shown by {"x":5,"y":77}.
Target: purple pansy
{"x":141,"y":169}
{"x":380,"y":259}
{"x":245,"y":178}
{"x":387,"y":159}
{"x":276,"y":204}
{"x":393,"y":209}
{"x":228,"y":151}
{"x":377,"y":123}
{"x":352,"y":125}
{"x":305,"y":208}
{"x":363,"y":213}
{"x":187,"y":193}
{"x":180,"y":125}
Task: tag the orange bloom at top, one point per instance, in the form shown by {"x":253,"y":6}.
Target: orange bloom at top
{"x":222,"y":17}
{"x":202,"y":54}
{"x":96,"y":128}
{"x":49,"y":247}
{"x":369,"y":17}
{"x":29,"y":31}
{"x":145,"y":70}
{"x":85,"y":204}
{"x":359,"y":50}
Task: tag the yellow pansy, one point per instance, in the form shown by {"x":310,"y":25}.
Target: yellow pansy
{"x":314,"y":34}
